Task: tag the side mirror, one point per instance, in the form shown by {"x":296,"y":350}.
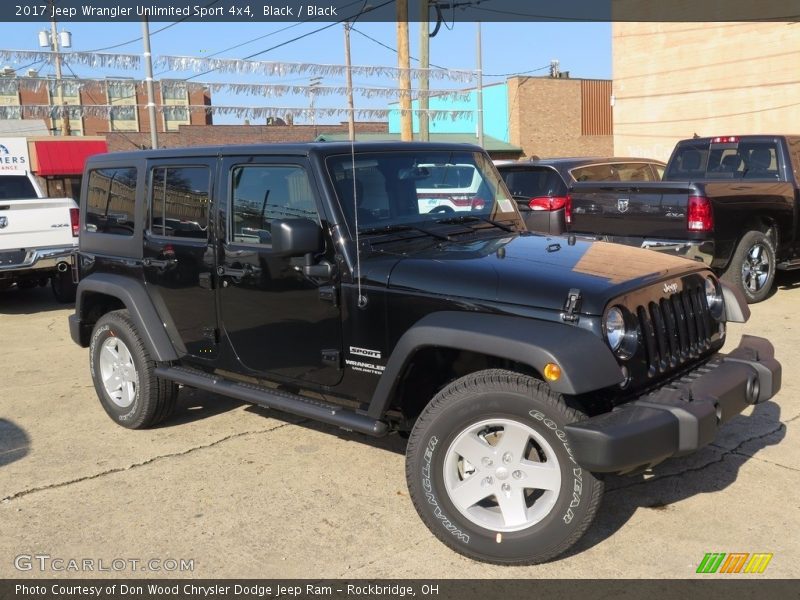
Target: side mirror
{"x":296,"y":237}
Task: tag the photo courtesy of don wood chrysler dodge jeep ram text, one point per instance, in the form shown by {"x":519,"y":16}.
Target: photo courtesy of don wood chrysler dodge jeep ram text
{"x":311,"y":279}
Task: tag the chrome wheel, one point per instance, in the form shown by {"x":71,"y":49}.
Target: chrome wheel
{"x":755,"y":268}
{"x":118,"y":373}
{"x":502,"y":475}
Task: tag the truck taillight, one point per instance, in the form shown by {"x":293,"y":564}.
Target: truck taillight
{"x":568,"y":210}
{"x":74,"y":219}
{"x":729,"y":139}
{"x":547,"y":202}
{"x":700,"y":217}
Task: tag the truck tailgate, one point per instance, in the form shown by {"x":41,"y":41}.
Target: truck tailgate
{"x":646,"y":209}
{"x":36,"y":223}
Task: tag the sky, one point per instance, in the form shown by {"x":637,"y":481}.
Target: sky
{"x":583,"y":49}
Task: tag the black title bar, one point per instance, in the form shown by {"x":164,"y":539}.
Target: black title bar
{"x":385,"y":10}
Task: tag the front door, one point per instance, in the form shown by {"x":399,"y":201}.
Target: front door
{"x":179,"y":252}
{"x":276,"y":319}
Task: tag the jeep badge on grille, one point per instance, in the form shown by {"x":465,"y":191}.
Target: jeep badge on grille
{"x":670,"y":288}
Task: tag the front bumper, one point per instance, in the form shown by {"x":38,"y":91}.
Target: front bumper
{"x":680,"y":417}
{"x":36,"y":259}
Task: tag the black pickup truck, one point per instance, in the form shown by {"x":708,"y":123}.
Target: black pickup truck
{"x":731,"y":202}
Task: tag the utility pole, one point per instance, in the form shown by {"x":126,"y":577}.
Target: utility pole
{"x":62,"y":109}
{"x":424,"y":65}
{"x":479,"y":91}
{"x":148,"y":70}
{"x":351,"y":123}
{"x":404,"y":63}
{"x":313,"y":84}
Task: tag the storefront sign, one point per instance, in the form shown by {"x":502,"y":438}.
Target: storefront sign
{"x":14,"y":159}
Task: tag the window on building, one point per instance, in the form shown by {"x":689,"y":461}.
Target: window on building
{"x":175,"y":95}
{"x":71,"y":96}
{"x":122,"y":98}
{"x":9,"y":99}
{"x":262,"y":194}
{"x":179,"y":201}
{"x":111,"y":200}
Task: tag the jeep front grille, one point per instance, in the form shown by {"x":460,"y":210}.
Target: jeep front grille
{"x":675,"y":329}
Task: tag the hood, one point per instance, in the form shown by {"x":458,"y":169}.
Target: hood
{"x":531,"y":270}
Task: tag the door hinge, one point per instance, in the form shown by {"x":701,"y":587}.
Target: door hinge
{"x":571,"y":306}
{"x":332,"y":357}
{"x":328,"y":294}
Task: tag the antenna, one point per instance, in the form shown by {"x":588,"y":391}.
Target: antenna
{"x":362,"y":300}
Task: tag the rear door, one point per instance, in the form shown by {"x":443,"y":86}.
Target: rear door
{"x":178,"y":251}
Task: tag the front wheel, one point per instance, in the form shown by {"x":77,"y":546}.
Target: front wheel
{"x":491,"y":473}
{"x":752,"y":267}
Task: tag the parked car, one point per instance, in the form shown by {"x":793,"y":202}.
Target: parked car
{"x":447,"y":187}
{"x":37,"y":237}
{"x":540,"y":186}
{"x":730,"y":202}
{"x":521,"y":367}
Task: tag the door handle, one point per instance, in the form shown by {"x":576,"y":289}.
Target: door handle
{"x":246,"y":271}
{"x":160,"y":264}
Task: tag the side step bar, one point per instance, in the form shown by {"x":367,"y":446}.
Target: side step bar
{"x":285,"y":401}
{"x":789,"y":265}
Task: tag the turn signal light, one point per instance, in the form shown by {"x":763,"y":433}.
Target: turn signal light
{"x":552,"y":372}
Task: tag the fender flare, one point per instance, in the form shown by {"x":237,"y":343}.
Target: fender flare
{"x":134,"y":296}
{"x":586,"y":362}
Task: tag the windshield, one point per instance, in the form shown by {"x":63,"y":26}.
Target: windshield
{"x":532,"y":182}
{"x":16,"y":187}
{"x":385,"y":189}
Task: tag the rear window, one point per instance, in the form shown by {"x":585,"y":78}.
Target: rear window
{"x":745,"y":160}
{"x":16,"y":187}
{"x":111,"y":200}
{"x":533,"y":182}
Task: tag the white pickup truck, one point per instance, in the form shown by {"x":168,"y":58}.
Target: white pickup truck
{"x":37,"y":237}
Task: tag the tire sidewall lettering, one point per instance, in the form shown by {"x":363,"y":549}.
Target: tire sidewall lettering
{"x":577,"y":471}
{"x":94,"y":344}
{"x":427,"y":486}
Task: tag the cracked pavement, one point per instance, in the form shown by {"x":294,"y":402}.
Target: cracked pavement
{"x":250,"y":492}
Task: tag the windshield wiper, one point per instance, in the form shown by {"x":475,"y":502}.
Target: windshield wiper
{"x":467,"y":218}
{"x":404,"y":227}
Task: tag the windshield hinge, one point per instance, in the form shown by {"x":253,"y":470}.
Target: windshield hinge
{"x":571,"y":306}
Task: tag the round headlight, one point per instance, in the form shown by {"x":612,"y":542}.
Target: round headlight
{"x":714,"y":298}
{"x":615,"y":328}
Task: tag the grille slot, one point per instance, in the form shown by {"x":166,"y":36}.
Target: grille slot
{"x":674,"y":329}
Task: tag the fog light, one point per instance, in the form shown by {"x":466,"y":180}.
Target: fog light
{"x":552,"y":372}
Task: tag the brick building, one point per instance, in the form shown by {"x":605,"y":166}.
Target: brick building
{"x":20,"y":97}
{"x":199,"y":135}
{"x":542,"y":116}
{"x":674,"y":80}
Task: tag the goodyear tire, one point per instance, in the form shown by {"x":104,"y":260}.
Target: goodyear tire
{"x":491,"y":474}
{"x":123,"y":374}
{"x":752,"y":267}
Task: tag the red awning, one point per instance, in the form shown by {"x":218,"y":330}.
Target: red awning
{"x":59,"y":157}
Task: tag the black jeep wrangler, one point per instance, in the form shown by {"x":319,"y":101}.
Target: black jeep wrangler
{"x":317,"y":279}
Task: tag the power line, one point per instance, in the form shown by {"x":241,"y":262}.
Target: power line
{"x":300,"y":37}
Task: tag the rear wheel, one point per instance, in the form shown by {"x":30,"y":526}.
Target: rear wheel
{"x":491,"y":473}
{"x":123,"y":374}
{"x":752,"y":267}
